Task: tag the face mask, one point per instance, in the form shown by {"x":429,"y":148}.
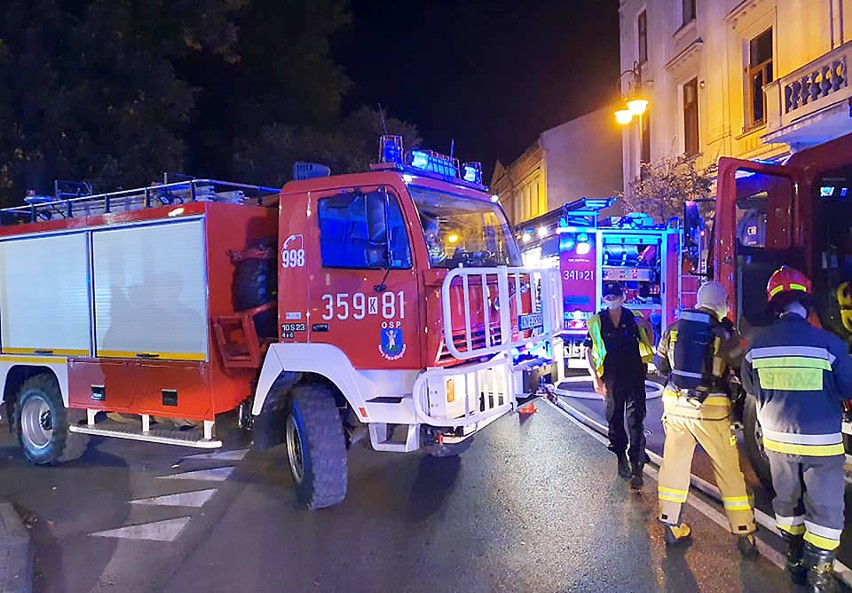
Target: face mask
{"x":614,"y":304}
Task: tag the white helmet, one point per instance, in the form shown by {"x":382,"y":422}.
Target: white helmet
{"x":712,"y":295}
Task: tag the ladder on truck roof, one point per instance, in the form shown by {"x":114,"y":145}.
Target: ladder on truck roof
{"x":71,"y":200}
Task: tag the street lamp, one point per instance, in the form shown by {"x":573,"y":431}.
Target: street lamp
{"x":634,"y":104}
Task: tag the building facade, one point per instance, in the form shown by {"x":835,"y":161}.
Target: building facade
{"x":581,"y":157}
{"x":754,"y":79}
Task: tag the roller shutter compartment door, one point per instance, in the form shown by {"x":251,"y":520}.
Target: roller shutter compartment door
{"x":44,"y":298}
{"x":151,"y":292}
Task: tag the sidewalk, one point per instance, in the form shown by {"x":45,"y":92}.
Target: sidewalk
{"x":16,"y":558}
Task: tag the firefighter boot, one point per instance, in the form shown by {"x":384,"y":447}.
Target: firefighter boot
{"x":636,"y":480}
{"x":747,"y":545}
{"x":795,"y":564}
{"x":820,"y":565}
{"x":677,"y":534}
{"x":623,"y":466}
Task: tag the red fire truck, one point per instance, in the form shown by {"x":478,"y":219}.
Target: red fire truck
{"x":798,"y":213}
{"x":645,"y":257}
{"x":392,"y":302}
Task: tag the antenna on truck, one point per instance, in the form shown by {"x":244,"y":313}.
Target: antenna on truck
{"x":382,"y":117}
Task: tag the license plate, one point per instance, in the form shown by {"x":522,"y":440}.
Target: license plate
{"x":531,"y":321}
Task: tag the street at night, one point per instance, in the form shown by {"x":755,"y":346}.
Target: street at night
{"x":533,"y":506}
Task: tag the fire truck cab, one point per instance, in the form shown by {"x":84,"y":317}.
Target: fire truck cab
{"x":798,"y":213}
{"x":391,"y":302}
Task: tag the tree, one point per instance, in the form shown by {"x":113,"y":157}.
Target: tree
{"x":664,"y":185}
{"x":90,"y":90}
{"x":349,"y":147}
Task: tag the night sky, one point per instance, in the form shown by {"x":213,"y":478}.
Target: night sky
{"x":492,"y":74}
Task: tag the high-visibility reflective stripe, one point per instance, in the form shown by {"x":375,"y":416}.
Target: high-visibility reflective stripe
{"x":773,"y":351}
{"x":671,"y":494}
{"x":687,"y":374}
{"x":783,"y":521}
{"x":821,"y":542}
{"x":791,"y":379}
{"x":717,"y":400}
{"x":776,"y":290}
{"x":822,"y":531}
{"x":813,"y":450}
{"x":792,"y":529}
{"x":794,"y":286}
{"x":792,"y":361}
{"x":803,"y":439}
{"x":710,"y":400}
{"x":598,"y":346}
{"x":670,"y":498}
{"x":695,"y":316}
{"x":736,"y":502}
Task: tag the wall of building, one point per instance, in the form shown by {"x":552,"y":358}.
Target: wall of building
{"x":714,"y":48}
{"x":581,"y":157}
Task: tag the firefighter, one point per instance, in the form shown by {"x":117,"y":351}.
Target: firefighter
{"x":698,"y":353}
{"x":800,"y":375}
{"x":617,"y":352}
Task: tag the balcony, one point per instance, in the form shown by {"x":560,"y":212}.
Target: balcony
{"x":811,"y":105}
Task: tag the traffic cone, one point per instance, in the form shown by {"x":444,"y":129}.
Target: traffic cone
{"x":527,"y":409}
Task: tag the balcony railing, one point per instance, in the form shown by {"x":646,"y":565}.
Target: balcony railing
{"x":819,"y":84}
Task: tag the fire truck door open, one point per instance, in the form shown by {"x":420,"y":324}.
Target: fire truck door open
{"x":756,"y":231}
{"x":364,"y":292}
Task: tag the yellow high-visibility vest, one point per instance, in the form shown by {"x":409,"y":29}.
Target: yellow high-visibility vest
{"x":646,"y":349}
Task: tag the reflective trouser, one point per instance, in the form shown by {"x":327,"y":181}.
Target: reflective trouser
{"x":816,"y":512}
{"x":684,"y":428}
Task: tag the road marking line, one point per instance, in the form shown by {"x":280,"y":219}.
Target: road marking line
{"x":235,"y":455}
{"x":767,"y":551}
{"x":160,"y":531}
{"x":216,"y":474}
{"x":184,"y":499}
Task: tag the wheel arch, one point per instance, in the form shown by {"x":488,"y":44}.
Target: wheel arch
{"x":15,"y":373}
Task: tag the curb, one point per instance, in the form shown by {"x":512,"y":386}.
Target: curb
{"x":843,"y":572}
{"x":16,"y":554}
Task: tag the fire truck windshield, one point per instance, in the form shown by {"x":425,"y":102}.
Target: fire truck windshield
{"x":460,"y":230}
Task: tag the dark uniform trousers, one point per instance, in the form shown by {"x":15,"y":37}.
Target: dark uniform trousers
{"x":626,"y":396}
{"x":809,"y":494}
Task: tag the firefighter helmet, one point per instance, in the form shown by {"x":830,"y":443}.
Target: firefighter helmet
{"x":713,"y":296}
{"x":788,"y":280}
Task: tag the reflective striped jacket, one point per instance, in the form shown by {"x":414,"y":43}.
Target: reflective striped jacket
{"x":800,"y":374}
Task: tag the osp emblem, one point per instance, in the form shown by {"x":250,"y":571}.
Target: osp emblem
{"x":392,"y":346}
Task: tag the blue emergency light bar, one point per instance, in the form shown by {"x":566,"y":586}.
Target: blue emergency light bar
{"x":391,"y":152}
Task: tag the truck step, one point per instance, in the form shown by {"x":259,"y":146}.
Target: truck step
{"x":189,"y":438}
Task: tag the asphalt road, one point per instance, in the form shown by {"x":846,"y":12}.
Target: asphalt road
{"x":533,"y":506}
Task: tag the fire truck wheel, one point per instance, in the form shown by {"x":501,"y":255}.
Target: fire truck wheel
{"x":42,"y":423}
{"x":316,"y":447}
{"x":450,"y":450}
{"x":753,"y":437}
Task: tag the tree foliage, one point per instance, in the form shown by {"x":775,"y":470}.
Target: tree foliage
{"x":349,"y":147}
{"x":665,"y":184}
{"x":115,"y":92}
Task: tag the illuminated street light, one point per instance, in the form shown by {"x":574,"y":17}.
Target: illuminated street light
{"x":634,"y":103}
{"x":623,"y":116}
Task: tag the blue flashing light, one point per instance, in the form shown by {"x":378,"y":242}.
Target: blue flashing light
{"x":566,"y":242}
{"x":432,"y":162}
{"x":390,"y":149}
{"x":472,"y":172}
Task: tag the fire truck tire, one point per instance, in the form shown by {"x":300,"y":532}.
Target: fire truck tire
{"x":752,"y":435}
{"x":42,"y":421}
{"x":316,"y":447}
{"x":450,"y":450}
{"x":254,"y":285}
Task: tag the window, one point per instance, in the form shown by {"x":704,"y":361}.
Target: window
{"x":642,"y":30}
{"x":759,"y":74}
{"x":645,"y":140}
{"x":464,"y":231}
{"x":362,"y":230}
{"x":690,"y":117}
{"x":688,"y":11}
